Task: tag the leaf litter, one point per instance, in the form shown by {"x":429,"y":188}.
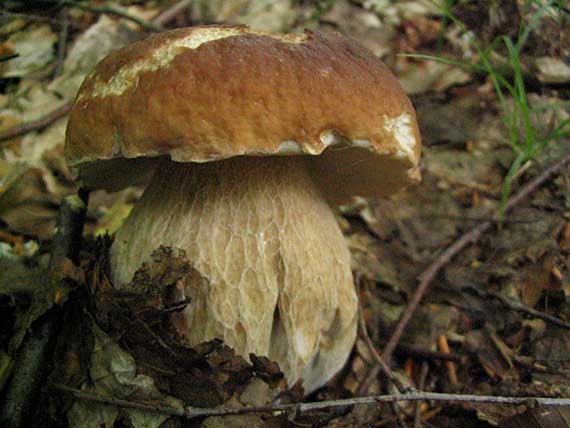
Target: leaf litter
{"x":128,"y":349}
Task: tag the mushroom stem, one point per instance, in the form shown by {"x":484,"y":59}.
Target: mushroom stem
{"x":273,"y":267}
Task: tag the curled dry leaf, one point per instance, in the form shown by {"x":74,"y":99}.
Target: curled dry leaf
{"x":35,"y":48}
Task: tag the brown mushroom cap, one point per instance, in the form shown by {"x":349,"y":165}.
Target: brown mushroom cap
{"x":209,"y":93}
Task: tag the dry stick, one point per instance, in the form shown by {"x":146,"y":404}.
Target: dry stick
{"x":111,"y":10}
{"x":35,"y":125}
{"x":415,"y":351}
{"x":449,"y":365}
{"x":62,"y":42}
{"x":8,"y":57}
{"x":195,"y":412}
{"x":34,"y":18}
{"x":383,"y":366}
{"x":519,"y":307}
{"x":171,"y":13}
{"x":379,"y":361}
{"x":421,"y":385}
{"x":468,"y":238}
{"x":399,"y":415}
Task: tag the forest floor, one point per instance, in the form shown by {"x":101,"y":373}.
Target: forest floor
{"x":490,"y":81}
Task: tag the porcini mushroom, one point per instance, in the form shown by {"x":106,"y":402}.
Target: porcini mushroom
{"x":249,"y":134}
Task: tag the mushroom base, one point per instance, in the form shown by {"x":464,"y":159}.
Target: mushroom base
{"x":274,"y":269}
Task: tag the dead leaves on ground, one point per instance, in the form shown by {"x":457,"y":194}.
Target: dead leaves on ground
{"x":466,"y":157}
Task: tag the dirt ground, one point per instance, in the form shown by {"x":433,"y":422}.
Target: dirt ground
{"x":490,"y":81}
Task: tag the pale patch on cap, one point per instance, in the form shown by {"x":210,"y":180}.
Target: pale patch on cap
{"x":127,"y":75}
{"x":402,"y":130}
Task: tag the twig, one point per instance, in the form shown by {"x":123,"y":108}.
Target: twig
{"x":29,"y":373}
{"x":519,"y":307}
{"x":128,"y":404}
{"x":8,"y":57}
{"x":171,"y":13}
{"x":156,"y":337}
{"x":379,"y":361}
{"x":449,"y":365}
{"x":416,"y":351}
{"x":69,"y":229}
{"x":421,"y":386}
{"x":425,"y":280}
{"x":470,"y":237}
{"x":34,"y":18}
{"x":35,"y":125}
{"x":399,"y":415}
{"x":156,"y":23}
{"x":62,"y":41}
{"x":111,"y":10}
{"x":466,"y":219}
{"x":195,"y":412}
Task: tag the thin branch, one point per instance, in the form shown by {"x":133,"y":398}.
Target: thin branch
{"x":62,"y":41}
{"x":519,"y":307}
{"x":449,"y":365}
{"x":34,"y":18}
{"x":195,"y":412}
{"x":425,"y":280}
{"x":459,"y":218}
{"x":66,"y":242}
{"x":155,"y":24}
{"x":127,"y":404}
{"x":171,"y":13}
{"x":379,"y":361}
{"x":399,"y":415}
{"x":111,"y":10}
{"x":469,"y":238}
{"x":8,"y":57}
{"x":421,"y":385}
{"x":426,"y":354}
{"x":35,"y":125}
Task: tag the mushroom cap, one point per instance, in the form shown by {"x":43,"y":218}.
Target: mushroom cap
{"x":208,"y":93}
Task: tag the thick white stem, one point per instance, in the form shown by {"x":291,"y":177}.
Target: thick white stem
{"x":274,"y":268}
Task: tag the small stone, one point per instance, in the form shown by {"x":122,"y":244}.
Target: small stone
{"x":552,"y":70}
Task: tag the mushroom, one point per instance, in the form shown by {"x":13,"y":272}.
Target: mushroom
{"x":249,"y":136}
